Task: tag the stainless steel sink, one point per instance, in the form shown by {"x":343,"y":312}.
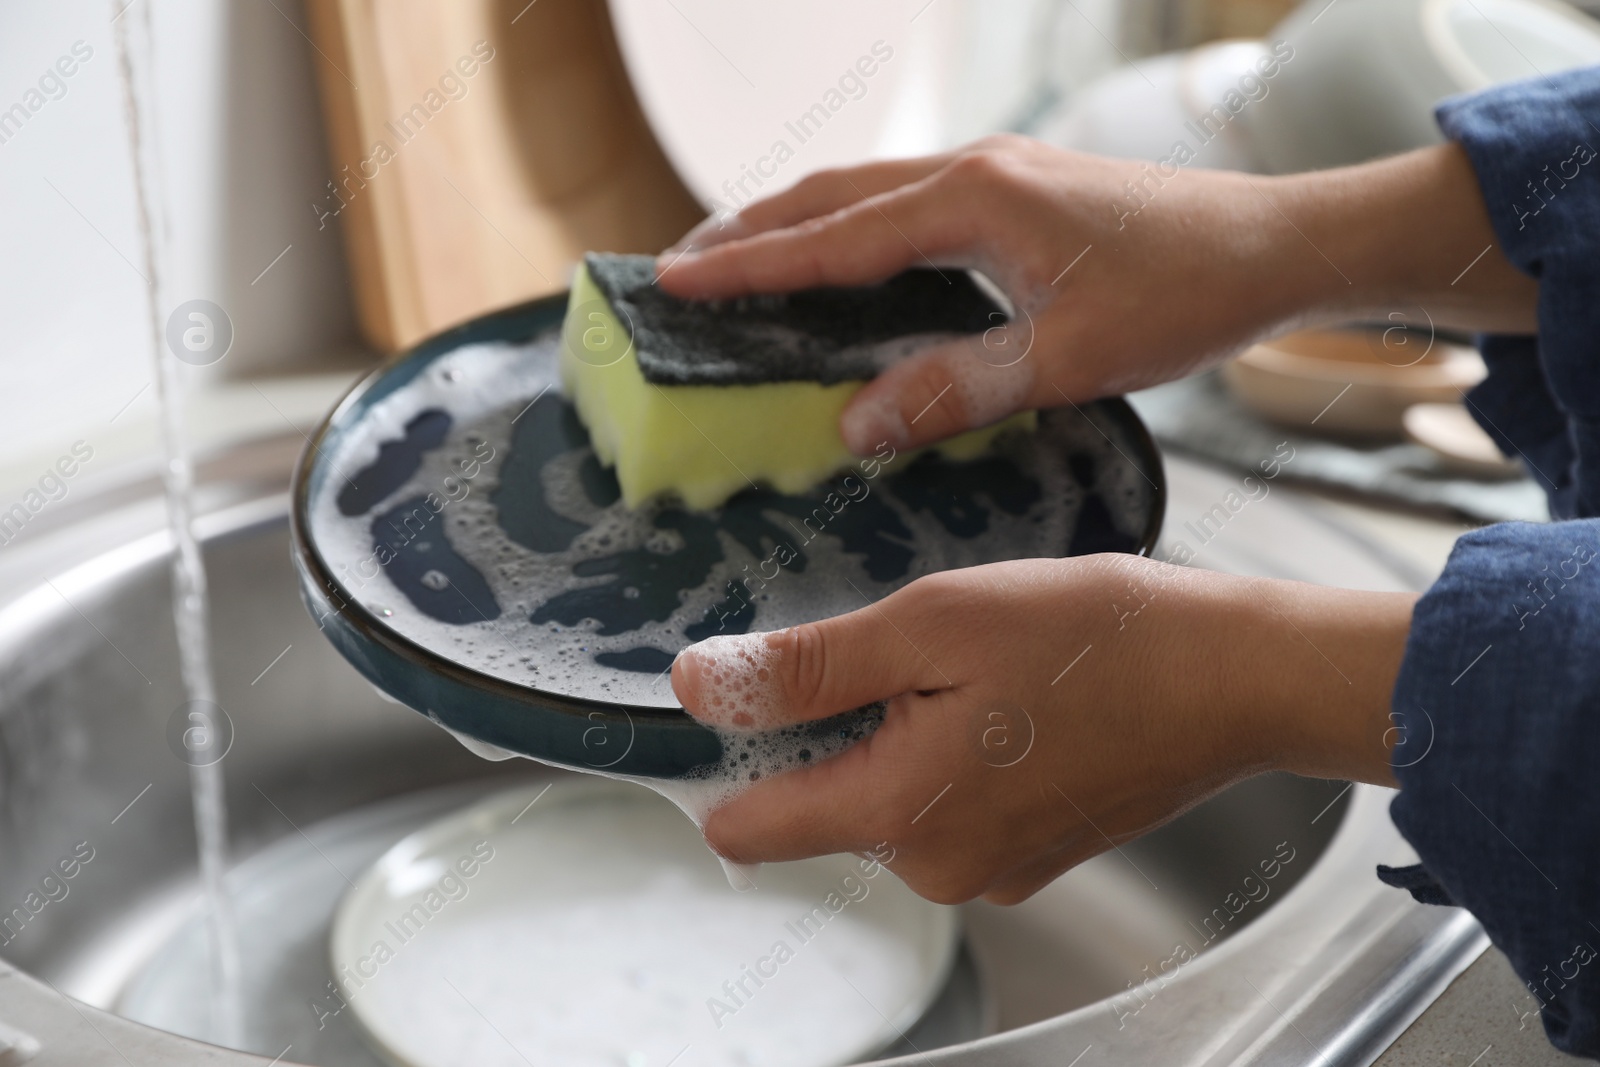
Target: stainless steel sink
{"x":1177,"y":948}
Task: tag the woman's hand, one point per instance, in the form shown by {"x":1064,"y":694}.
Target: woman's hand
{"x":1042,"y":710}
{"x":1124,"y":274}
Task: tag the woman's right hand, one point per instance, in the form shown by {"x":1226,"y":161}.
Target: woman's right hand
{"x":1123,"y":274}
{"x":1040,"y":711}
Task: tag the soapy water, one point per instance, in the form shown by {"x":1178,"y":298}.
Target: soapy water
{"x":595,"y":937}
{"x":467,"y":511}
{"x":555,"y":993}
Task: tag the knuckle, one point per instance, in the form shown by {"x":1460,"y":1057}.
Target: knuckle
{"x":1115,"y":567}
{"x":1012,"y":895}
{"x":943,"y":886}
{"x":983,"y":167}
{"x":972,"y":170}
{"x":823,"y":190}
{"x":933,"y":590}
{"x":936,"y":374}
{"x":926,"y":400}
{"x":1004,"y":142}
{"x":817,"y":184}
{"x":803,"y":659}
{"x":815,"y":226}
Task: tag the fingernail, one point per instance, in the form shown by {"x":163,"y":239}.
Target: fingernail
{"x":685,"y":674}
{"x":871,"y":422}
{"x":673,"y":258}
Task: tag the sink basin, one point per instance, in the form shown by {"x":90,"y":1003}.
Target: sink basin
{"x":1250,"y":930}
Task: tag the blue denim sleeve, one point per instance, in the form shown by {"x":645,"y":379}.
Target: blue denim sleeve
{"x":1533,"y":146}
{"x":1498,"y":695}
{"x":1499,"y":703}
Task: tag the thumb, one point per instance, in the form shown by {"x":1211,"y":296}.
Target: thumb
{"x":762,"y":681}
{"x":944,"y":390}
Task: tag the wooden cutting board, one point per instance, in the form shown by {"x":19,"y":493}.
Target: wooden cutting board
{"x":479,"y":148}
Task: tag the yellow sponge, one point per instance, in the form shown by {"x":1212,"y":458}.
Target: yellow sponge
{"x":705,"y":443}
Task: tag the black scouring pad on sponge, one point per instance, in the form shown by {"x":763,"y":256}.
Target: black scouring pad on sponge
{"x":825,"y":335}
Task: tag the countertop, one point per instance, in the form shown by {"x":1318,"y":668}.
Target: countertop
{"x":1485,"y":1019}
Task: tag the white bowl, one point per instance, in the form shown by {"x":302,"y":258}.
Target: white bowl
{"x":1141,"y":111}
{"x":1344,"y":384}
{"x":1450,"y":432}
{"x":1366,"y":74}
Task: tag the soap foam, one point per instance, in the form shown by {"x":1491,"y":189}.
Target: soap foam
{"x":487,"y":388}
{"x":623,"y":981}
{"x":992,"y":383}
{"x":873,"y":418}
{"x":621,"y":976}
{"x":738,"y":688}
{"x":749,"y":755}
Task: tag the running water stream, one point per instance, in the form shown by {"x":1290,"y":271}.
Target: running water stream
{"x":136,"y":72}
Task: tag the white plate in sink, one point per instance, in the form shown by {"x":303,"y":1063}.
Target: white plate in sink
{"x":591,"y":925}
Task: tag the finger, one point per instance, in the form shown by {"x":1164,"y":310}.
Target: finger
{"x":813,"y":811}
{"x":827,"y":191}
{"x":865,"y":242}
{"x":807,"y":672}
{"x":817,"y":194}
{"x":942,"y":391}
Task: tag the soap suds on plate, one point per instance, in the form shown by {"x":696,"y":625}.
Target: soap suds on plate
{"x":576,"y":606}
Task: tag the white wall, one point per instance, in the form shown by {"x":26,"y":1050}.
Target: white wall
{"x":243,"y":154}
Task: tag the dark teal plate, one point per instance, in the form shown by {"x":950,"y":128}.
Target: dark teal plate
{"x":575,"y":673}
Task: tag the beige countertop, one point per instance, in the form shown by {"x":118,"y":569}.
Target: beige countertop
{"x":1485,"y":1019}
